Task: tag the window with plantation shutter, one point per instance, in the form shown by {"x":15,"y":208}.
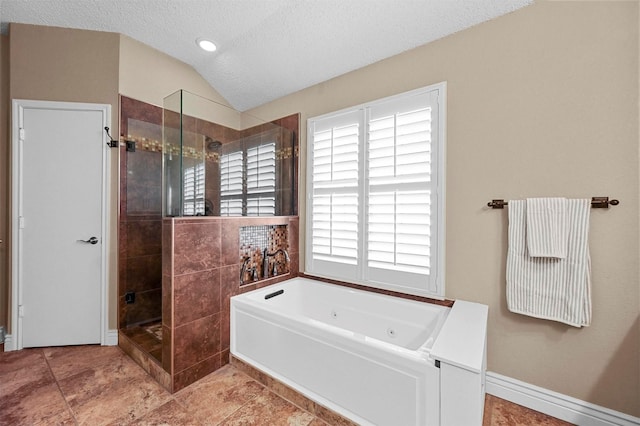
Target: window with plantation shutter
{"x":376,"y":194}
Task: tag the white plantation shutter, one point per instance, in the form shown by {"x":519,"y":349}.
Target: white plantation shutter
{"x":193,"y":194}
{"x":376,"y":197}
{"x":258,"y":197}
{"x":400,"y":188}
{"x":261,"y":180}
{"x":231,"y":166}
{"x":334,"y":180}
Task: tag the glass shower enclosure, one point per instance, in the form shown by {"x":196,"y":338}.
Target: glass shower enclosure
{"x":236,"y":166}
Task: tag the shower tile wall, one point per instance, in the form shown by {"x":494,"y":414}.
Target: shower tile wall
{"x":184,"y":270}
{"x":199,"y":282}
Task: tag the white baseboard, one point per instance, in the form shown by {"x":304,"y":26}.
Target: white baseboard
{"x":9,"y":344}
{"x":111,"y":338}
{"x":555,"y":404}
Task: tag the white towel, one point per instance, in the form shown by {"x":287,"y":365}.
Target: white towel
{"x":547,"y":230}
{"x":546,"y":287}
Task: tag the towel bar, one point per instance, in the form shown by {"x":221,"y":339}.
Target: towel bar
{"x":596,"y":203}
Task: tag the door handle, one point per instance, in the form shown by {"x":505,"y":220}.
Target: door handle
{"x":92,"y":240}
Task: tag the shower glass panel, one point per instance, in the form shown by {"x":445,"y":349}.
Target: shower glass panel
{"x":140,"y":223}
{"x":220,"y":162}
{"x":172,"y":154}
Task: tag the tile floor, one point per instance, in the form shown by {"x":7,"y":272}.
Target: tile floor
{"x":93,"y":385}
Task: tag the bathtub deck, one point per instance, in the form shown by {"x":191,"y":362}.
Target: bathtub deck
{"x":101,"y":385}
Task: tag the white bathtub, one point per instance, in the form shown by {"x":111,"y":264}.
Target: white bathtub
{"x":367,"y":356}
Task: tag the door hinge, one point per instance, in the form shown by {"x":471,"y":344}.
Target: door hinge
{"x":21,"y":311}
{"x":437,"y":363}
{"x":21,"y":134}
{"x":21,"y":222}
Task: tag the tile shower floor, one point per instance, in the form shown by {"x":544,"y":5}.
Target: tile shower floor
{"x":148,"y":336}
{"x":93,"y":385}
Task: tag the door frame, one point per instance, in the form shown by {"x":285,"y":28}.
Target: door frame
{"x":18,"y":107}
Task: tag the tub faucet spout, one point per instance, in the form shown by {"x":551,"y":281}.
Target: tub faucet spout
{"x":265,"y":264}
{"x":265,"y":261}
{"x":243,"y":269}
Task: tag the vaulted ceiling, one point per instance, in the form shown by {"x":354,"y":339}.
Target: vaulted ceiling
{"x":267,"y":48}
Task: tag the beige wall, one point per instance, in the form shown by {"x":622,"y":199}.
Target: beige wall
{"x":4,"y":176}
{"x":541,"y":102}
{"x":149,"y":75}
{"x":59,"y":64}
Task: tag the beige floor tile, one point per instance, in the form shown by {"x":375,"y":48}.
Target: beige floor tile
{"x":504,"y":413}
{"x":269,"y":409}
{"x":70,"y":360}
{"x":168,"y":414}
{"x":34,"y":404}
{"x":218,"y":395}
{"x":96,"y":385}
{"x":120,"y":390}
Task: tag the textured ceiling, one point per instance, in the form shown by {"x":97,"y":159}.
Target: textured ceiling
{"x":267,"y":48}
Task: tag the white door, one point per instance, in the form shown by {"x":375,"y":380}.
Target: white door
{"x":60,"y":166}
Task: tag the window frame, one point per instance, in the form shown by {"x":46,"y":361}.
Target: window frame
{"x":434,"y":282}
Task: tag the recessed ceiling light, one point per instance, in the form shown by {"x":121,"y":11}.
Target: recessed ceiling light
{"x":206,"y":45}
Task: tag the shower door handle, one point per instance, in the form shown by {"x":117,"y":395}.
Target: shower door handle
{"x":92,"y":240}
